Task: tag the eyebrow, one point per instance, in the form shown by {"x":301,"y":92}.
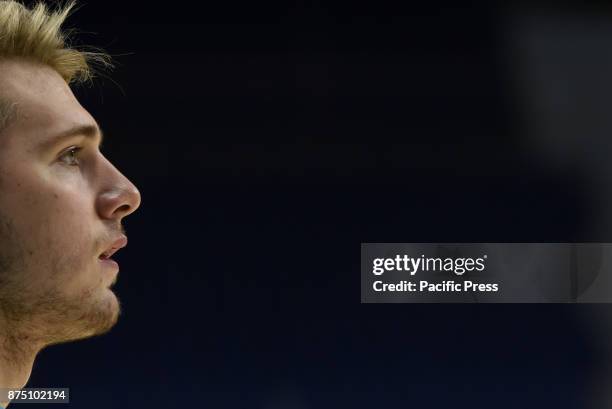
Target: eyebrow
{"x":90,"y":131}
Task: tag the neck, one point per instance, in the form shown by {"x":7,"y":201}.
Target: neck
{"x":17,"y":356}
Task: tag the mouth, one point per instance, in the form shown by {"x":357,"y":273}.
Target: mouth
{"x":118,"y":244}
{"x":109,"y":264}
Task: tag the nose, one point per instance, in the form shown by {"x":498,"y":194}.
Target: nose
{"x":119,"y":197}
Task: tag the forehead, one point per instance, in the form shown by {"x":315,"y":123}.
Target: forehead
{"x":45,"y":103}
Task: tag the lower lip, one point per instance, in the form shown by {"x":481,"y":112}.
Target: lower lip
{"x":110,"y":263}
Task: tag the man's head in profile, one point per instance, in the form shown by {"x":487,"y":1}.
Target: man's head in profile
{"x":61,"y":201}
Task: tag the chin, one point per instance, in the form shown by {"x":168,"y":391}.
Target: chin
{"x":105,"y":314}
{"x":96,"y":317}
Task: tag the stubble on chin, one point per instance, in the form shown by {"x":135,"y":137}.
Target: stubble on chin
{"x":81,"y":317}
{"x":38,"y":304}
{"x":53,"y":317}
{"x":50,"y":315}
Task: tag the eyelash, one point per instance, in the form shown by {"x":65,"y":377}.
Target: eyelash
{"x":75,"y":149}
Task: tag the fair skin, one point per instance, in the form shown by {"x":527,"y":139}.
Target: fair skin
{"x":59,"y":210}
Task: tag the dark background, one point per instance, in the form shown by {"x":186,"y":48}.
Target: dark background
{"x":269,"y":140}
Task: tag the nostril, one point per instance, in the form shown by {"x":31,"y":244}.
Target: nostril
{"x":124,"y":208}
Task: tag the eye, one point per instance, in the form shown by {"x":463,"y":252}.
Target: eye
{"x":70,"y":156}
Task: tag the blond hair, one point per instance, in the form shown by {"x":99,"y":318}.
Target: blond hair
{"x":35,"y":34}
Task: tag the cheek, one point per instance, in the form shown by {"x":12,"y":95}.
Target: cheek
{"x":53,"y":217}
{"x":63,"y":256}
{"x":57,"y":232}
{"x":65,"y":229}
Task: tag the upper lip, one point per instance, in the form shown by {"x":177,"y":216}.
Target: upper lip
{"x":120,"y":243}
